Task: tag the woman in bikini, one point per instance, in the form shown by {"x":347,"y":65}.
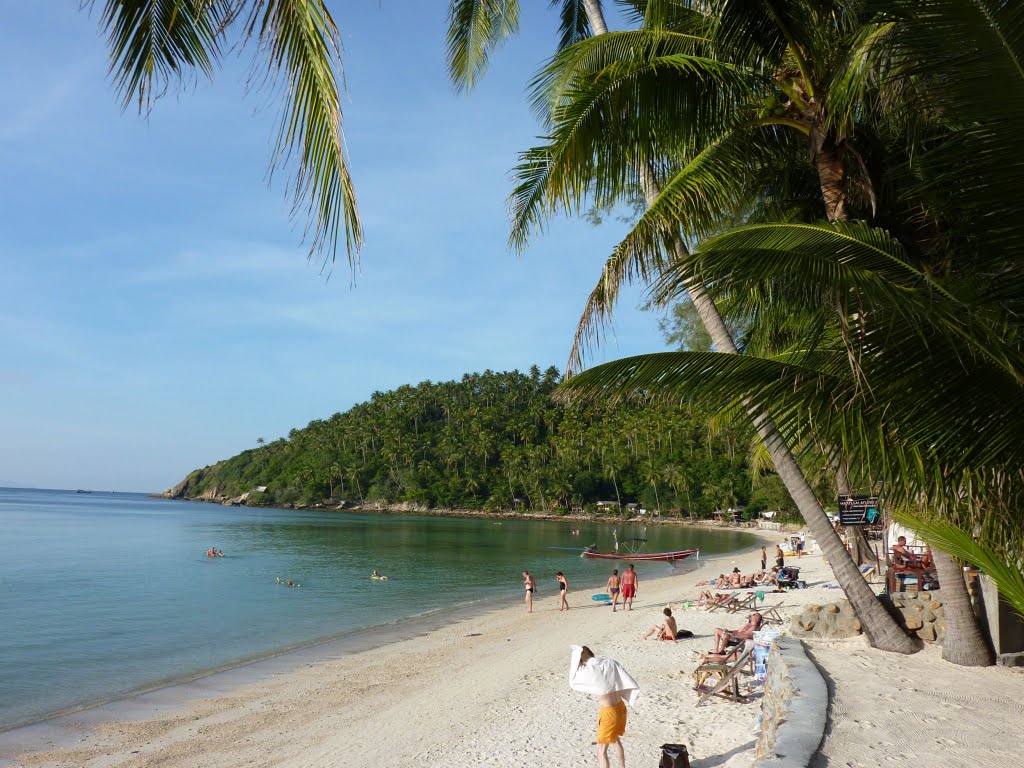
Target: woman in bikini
{"x":530,"y":584}
{"x":563,"y":590}
{"x":613,"y":588}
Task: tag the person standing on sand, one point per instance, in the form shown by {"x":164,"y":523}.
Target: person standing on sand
{"x":531,"y":584}
{"x":779,"y":559}
{"x":613,"y":588}
{"x":614,"y":688}
{"x":629,"y":584}
{"x":764,"y":559}
{"x":563,"y":591}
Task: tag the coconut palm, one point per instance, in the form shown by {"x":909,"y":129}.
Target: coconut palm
{"x":155,"y":44}
{"x":598,"y":148}
{"x":920,"y":378}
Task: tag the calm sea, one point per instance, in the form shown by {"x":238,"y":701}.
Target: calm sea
{"x":105,"y":594}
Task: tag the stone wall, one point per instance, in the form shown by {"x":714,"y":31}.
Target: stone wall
{"x":793,"y":709}
{"x":922,"y":614}
{"x":830,"y":620}
{"x":919,"y":612}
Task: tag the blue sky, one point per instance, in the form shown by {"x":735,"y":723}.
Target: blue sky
{"x":157,"y":312}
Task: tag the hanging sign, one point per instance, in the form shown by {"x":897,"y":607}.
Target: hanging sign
{"x":859,"y":510}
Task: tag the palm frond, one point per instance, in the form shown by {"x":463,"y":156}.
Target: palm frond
{"x":573,"y":25}
{"x":652,"y":102}
{"x":301,"y":43}
{"x":475,"y":29}
{"x":941,"y":534}
{"x":967,"y":57}
{"x":553,"y":85}
{"x":154,"y":42}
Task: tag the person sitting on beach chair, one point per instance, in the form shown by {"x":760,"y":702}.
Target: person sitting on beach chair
{"x":728,"y":656}
{"x":902,"y":556}
{"x":666,"y":630}
{"x":726,"y":637}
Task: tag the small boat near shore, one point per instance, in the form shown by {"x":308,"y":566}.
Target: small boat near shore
{"x":680,"y":554}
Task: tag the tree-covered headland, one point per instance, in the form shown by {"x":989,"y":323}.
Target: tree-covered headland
{"x":498,"y":441}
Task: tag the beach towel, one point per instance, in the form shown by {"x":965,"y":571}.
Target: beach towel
{"x":601,"y":676}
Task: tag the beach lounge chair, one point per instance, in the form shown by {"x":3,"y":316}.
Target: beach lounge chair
{"x":745,"y":603}
{"x":770,"y":615}
{"x":722,"y":679}
{"x":720,"y":601}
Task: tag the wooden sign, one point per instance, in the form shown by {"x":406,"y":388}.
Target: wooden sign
{"x":859,"y":510}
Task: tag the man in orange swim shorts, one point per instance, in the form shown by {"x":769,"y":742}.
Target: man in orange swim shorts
{"x":611,"y":719}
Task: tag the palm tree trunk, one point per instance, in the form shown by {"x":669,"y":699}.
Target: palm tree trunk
{"x":595,"y":17}
{"x":880,"y":628}
{"x":964,"y":643}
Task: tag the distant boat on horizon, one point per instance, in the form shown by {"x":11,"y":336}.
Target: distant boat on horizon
{"x":81,"y":491}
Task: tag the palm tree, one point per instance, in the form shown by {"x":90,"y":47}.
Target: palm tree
{"x":157,"y":43}
{"x":934,"y":419}
{"x":595,"y":149}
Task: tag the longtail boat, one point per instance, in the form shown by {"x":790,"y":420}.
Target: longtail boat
{"x":632,"y":549}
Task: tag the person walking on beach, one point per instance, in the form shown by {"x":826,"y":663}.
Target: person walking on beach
{"x":614,"y":688}
{"x":563,"y":591}
{"x":629,"y":585}
{"x":531,"y":584}
{"x":779,"y":560}
{"x":613,"y":588}
{"x":764,"y":559}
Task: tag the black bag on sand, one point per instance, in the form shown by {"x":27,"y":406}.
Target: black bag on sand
{"x":674,"y":756}
{"x":683,"y":633}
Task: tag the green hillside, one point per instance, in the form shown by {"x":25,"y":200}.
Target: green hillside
{"x":489,"y":439}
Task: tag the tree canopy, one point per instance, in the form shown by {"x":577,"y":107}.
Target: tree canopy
{"x":490,"y":438}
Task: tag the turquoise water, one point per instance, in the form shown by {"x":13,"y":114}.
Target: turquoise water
{"x":105,"y":594}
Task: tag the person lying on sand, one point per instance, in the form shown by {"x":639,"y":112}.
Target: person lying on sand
{"x":666,"y":630}
{"x":723,"y":637}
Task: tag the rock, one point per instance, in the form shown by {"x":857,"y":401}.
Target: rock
{"x":849,"y":624}
{"x":813,"y":608}
{"x":832,"y":608}
{"x":807,"y":624}
{"x":918,"y":608}
{"x":935,"y":604}
{"x":928,"y":616}
{"x":914,"y":622}
{"x":927,"y":633}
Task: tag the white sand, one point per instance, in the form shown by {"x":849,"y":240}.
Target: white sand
{"x":492,"y":691}
{"x":910,"y":711}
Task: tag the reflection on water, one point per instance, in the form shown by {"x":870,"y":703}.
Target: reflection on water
{"x":105,"y":594}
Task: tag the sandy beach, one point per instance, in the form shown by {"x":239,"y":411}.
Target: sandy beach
{"x":491,"y":690}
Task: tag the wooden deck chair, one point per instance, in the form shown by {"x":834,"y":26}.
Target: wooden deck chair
{"x":770,"y":615}
{"x":723,"y":679}
{"x":746,"y":603}
{"x":721,"y":601}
